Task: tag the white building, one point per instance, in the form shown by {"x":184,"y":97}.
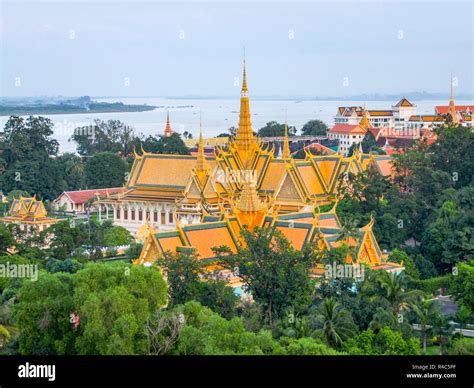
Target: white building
{"x":396,"y":117}
{"x":347,"y":134}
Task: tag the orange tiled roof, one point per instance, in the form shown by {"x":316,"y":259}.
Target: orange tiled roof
{"x":404,"y":102}
{"x":347,"y":129}
{"x":443,"y":109}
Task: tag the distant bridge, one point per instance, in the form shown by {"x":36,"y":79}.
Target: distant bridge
{"x":293,"y":139}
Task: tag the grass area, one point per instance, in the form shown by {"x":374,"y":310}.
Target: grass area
{"x":120,"y":261}
{"x":433,"y":350}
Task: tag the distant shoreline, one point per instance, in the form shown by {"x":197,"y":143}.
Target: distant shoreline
{"x":72,"y":109}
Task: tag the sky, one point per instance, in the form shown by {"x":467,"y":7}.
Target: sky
{"x":193,"y":48}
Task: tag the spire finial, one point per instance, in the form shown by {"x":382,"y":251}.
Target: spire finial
{"x":452,"y":107}
{"x":244,"y":79}
{"x":201,"y":160}
{"x":286,"y":144}
{"x":168,"y":130}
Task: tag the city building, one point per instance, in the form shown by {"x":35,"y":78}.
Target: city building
{"x":396,"y":117}
{"x":77,"y":202}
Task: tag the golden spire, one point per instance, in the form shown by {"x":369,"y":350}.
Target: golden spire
{"x":168,"y":130}
{"x":286,"y":144}
{"x":201,"y":160}
{"x":244,"y":82}
{"x":365,"y":122}
{"x":244,"y":138}
{"x":452,"y":107}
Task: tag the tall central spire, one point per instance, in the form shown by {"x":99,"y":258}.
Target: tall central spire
{"x":201,"y":160}
{"x":244,"y":138}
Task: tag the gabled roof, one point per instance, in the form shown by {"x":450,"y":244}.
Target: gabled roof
{"x":443,"y":109}
{"x":349,"y":129}
{"x":28,"y":210}
{"x":319,"y":148}
{"x":404,"y":103}
{"x":82,"y":196}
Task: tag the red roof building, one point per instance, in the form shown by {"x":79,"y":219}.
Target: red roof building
{"x":75,"y":201}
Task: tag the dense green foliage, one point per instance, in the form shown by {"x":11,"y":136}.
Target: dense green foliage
{"x":29,"y":159}
{"x":113,"y":304}
{"x":314,"y":128}
{"x":274,"y":129}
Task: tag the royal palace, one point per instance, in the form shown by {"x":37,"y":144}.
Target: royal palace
{"x":175,"y":202}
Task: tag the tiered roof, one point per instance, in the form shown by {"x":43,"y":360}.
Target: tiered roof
{"x":27,"y":210}
{"x":281,"y":193}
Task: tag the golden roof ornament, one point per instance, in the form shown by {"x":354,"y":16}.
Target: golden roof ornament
{"x":249,"y":200}
{"x":365,"y":122}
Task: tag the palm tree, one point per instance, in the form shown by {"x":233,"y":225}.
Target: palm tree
{"x":348,"y":230}
{"x":426,"y":311}
{"x":337,"y":323}
{"x":4,"y":335}
{"x":393,"y":285}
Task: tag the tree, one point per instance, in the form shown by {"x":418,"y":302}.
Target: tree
{"x":187,"y":135}
{"x":163,"y":331}
{"x":116,"y":236}
{"x":73,"y":171}
{"x":448,"y":239}
{"x":426,"y":311}
{"x":216,"y":294}
{"x":394,"y":286}
{"x":206,"y":333}
{"x":173,"y":145}
{"x":368,"y":144}
{"x":314,"y":128}
{"x":112,"y":303}
{"x":6,"y":238}
{"x":27,"y":149}
{"x":183,"y":271}
{"x":463,"y":285}
{"x":387,"y":341}
{"x":274,"y":272}
{"x":4,"y":335}
{"x":401,"y":257}
{"x":188,"y":280}
{"x":104,"y":170}
{"x":27,"y":139}
{"x":337,"y":324}
{"x":43,"y":315}
{"x":104,"y":136}
{"x":65,"y":239}
{"x":274,"y":129}
{"x":452,"y":153}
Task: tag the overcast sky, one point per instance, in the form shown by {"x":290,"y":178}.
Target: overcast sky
{"x":151,"y":48}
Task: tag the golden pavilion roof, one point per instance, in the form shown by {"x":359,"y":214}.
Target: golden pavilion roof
{"x":291,"y":183}
{"x":27,"y":210}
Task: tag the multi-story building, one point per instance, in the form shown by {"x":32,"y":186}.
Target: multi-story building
{"x":387,"y":118}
